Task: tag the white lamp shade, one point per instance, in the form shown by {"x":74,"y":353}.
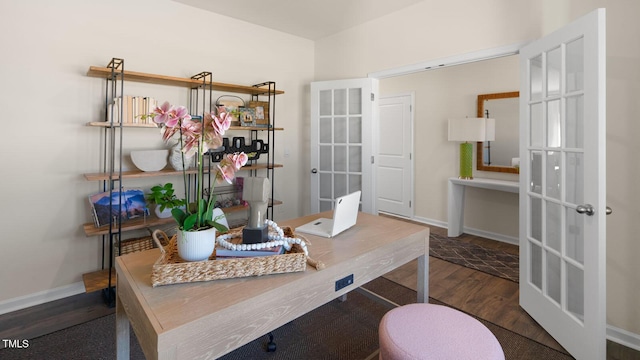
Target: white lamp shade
{"x":472,"y":129}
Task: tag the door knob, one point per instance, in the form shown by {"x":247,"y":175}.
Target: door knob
{"x":585,"y":209}
{"x":314,"y":171}
{"x":609,"y":211}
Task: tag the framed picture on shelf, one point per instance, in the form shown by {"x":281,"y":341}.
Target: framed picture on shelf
{"x":261,"y":109}
{"x":233,"y":105}
{"x":247,"y":117}
{"x":103,"y":210}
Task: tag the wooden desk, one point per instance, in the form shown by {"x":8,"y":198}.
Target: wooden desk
{"x":210,"y":319}
{"x":456,"y":198}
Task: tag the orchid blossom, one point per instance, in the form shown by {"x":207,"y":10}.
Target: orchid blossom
{"x":196,"y":138}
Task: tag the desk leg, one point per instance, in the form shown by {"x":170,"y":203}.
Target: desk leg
{"x":456,"y":210}
{"x":122,"y":331}
{"x":423,"y":278}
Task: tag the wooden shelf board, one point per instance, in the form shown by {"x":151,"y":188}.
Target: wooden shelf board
{"x":98,"y":280}
{"x":257,"y":128}
{"x":135,"y":224}
{"x":260,"y":166}
{"x":129,"y":125}
{"x":103,"y":72}
{"x":132,"y":174}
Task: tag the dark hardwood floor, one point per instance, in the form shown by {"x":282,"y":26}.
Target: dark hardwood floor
{"x":488,"y":297}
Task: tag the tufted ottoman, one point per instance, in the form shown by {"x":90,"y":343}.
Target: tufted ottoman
{"x":428,"y":331}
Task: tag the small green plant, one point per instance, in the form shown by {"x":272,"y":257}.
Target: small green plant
{"x":163,"y":196}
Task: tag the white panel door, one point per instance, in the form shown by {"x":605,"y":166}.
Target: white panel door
{"x":563,"y":185}
{"x":341,"y":147}
{"x":395,"y":170}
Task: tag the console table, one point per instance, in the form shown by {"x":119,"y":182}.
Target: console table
{"x":456,"y":198}
{"x":210,"y":319}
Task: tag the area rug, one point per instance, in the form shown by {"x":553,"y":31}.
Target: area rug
{"x":491,"y":261}
{"x":337,"y":330}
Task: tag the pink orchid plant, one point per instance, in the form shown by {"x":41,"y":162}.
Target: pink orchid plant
{"x":196,"y":138}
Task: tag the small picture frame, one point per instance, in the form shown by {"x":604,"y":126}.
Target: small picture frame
{"x":261,"y":110}
{"x":247,"y":117}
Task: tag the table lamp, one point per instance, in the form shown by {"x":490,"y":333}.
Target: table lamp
{"x":466,"y":130}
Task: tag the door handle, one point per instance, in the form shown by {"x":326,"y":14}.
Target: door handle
{"x":314,"y":171}
{"x":585,"y":209}
{"x":609,"y":211}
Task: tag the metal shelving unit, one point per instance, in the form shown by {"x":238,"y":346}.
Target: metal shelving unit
{"x":112,"y":176}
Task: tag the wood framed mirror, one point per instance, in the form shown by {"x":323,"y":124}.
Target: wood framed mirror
{"x":497,"y":155}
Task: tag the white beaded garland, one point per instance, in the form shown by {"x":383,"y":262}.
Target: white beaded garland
{"x":276,"y":239}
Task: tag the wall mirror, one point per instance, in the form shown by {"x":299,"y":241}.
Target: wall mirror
{"x":503,"y":154}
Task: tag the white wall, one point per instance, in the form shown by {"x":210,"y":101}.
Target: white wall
{"x":47,"y":100}
{"x":434,"y":30}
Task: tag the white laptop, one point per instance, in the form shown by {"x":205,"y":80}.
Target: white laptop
{"x":345,"y":214}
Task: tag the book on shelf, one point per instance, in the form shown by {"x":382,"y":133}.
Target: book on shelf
{"x":132,"y":109}
{"x":226,"y":253}
{"x":130,"y":204}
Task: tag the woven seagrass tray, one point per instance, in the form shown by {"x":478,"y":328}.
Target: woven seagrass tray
{"x":171,"y":269}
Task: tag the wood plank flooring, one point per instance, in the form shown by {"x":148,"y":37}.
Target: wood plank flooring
{"x":486,"y":296}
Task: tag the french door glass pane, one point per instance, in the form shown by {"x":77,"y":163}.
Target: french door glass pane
{"x":536,"y":219}
{"x":325,"y":131}
{"x":355,"y":183}
{"x":325,"y":102}
{"x":355,"y":101}
{"x":326,"y":188}
{"x":554,"y":68}
{"x":326,"y":158}
{"x":326,"y":205}
{"x":355,"y":130}
{"x":340,"y":132}
{"x":575,"y":65}
{"x":535,"y":267}
{"x":340,"y":158}
{"x":554,"y":175}
{"x":554,"y":131}
{"x":554,"y":269}
{"x":340,"y":102}
{"x":355,"y":159}
{"x":536,"y":132}
{"x":575,"y":180}
{"x":340,"y":183}
{"x":574,"y":235}
{"x":554,"y":223}
{"x":535,"y":78}
{"x":575,"y":291}
{"x":574,"y":122}
{"x":536,"y":172}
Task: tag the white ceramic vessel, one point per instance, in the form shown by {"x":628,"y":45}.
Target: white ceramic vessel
{"x":150,"y":160}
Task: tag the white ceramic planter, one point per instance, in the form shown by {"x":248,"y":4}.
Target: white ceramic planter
{"x":196,"y":245}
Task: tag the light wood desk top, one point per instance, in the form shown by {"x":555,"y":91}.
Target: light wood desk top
{"x":210,"y":319}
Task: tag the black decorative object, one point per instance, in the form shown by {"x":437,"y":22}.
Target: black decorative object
{"x":238,"y":144}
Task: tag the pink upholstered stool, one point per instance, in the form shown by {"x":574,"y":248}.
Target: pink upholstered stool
{"x":428,"y":331}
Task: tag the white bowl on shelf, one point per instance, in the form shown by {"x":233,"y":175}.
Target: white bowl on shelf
{"x":150,"y":160}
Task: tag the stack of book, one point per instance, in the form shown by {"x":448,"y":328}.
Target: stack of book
{"x":133,"y":109}
{"x":226,"y":253}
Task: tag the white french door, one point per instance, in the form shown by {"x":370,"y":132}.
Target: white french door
{"x":563,"y":185}
{"x":342,"y":118}
{"x":394,"y":164}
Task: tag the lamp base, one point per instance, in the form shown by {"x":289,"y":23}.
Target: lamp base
{"x":466,"y":161}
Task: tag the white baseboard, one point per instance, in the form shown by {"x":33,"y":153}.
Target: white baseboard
{"x":471,"y":231}
{"x":623,"y":337}
{"x":41,"y":297}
